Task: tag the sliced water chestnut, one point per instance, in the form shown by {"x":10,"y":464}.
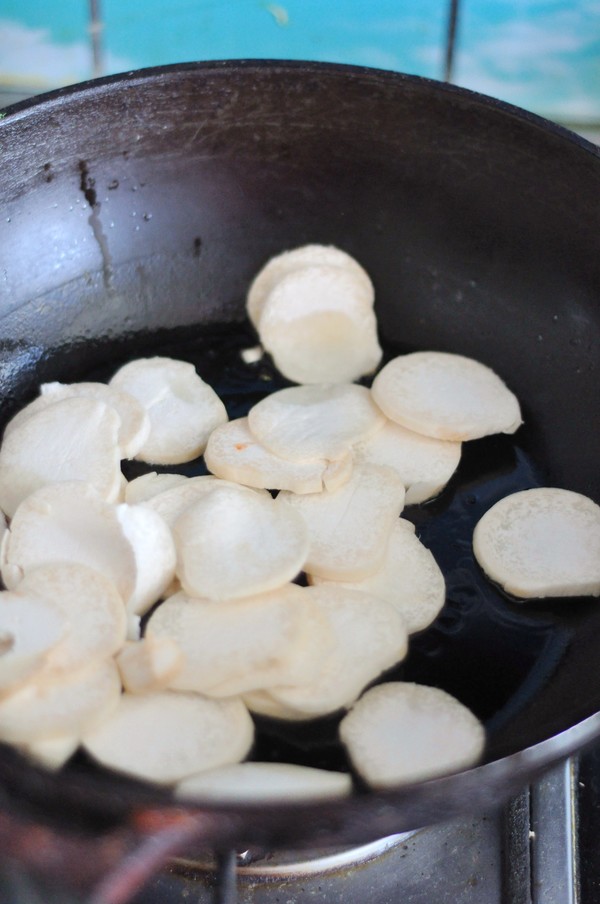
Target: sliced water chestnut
{"x":446,"y":396}
{"x":541,"y":542}
{"x":402,"y":732}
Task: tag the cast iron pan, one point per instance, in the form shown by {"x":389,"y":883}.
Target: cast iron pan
{"x":133,"y":213}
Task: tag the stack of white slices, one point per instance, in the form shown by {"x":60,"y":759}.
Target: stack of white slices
{"x":284,"y":583}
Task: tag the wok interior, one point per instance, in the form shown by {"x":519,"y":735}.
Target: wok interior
{"x":136,"y":211}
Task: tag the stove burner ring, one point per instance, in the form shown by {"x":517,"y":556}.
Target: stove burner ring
{"x":271,"y":865}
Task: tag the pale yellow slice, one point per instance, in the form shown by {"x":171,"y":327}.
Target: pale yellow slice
{"x":308,"y":422}
{"x":400,"y":732}
{"x":134,"y":422}
{"x":234,"y":542}
{"x":52,"y":753}
{"x":349,"y":528}
{"x":74,"y":439}
{"x":143,"y":488}
{"x":319,"y":326}
{"x":409,"y":579}
{"x":424,"y":465}
{"x":68,"y":522}
{"x":149,"y":665}
{"x":30,"y":630}
{"x":235,"y":646}
{"x":265,"y":783}
{"x":166,"y":737}
{"x":172,"y":501}
{"x":234,"y":453}
{"x":541,"y":542}
{"x":297,"y":259}
{"x":369,"y":637}
{"x":182,"y":408}
{"x":446,"y":396}
{"x":66,"y":704}
{"x":92,"y":605}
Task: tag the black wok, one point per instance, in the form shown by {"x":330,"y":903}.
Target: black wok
{"x":133,"y":213}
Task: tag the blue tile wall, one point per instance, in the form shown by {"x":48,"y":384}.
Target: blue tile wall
{"x":543,"y":55}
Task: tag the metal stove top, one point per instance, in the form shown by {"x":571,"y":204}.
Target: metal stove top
{"x":541,"y":848}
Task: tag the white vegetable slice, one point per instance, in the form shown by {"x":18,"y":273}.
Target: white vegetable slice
{"x":65,"y":705}
{"x":151,"y":542}
{"x":172,"y":502}
{"x":541,"y":542}
{"x":446,"y":396}
{"x":166,"y":737}
{"x":134,"y":421}
{"x":234,"y":542}
{"x":235,"y":646}
{"x":183,"y":409}
{"x":30,"y":630}
{"x":370,"y":637}
{"x":149,"y":664}
{"x":262,"y":703}
{"x":68,"y":522}
{"x":74,"y":439}
{"x":349,"y":528}
{"x":307,"y":422}
{"x":297,"y":259}
{"x":265,"y":783}
{"x":410,"y":579}
{"x":143,"y":488}
{"x":52,"y":753}
{"x":319,"y":325}
{"x":401,"y":732}
{"x":424,"y":465}
{"x":235,"y":454}
{"x":92,"y":605}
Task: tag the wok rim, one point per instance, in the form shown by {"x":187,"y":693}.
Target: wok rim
{"x":23,"y":108}
{"x":465,"y":791}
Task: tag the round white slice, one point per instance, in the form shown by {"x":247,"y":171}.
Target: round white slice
{"x":150,"y":664}
{"x":297,"y":259}
{"x":68,"y":522}
{"x":262,"y":703}
{"x":151,"y":542}
{"x":134,"y":426}
{"x":319,"y":326}
{"x":73,"y":439}
{"x":446,"y":396}
{"x":349,"y":528}
{"x":264,"y":783}
{"x":234,"y":542}
{"x":166,"y":737}
{"x":370,"y":637}
{"x":235,"y":646}
{"x":401,"y":732}
{"x":234,"y":453}
{"x":30,"y":630}
{"x":52,"y":753}
{"x":92,"y":605}
{"x":63,"y":705}
{"x":183,"y":409}
{"x":143,"y":488}
{"x":172,"y":502}
{"x":424,"y":465}
{"x":410,"y":579}
{"x":541,"y":542}
{"x":311,"y":422}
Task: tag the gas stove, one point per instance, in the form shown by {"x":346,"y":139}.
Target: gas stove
{"x":540,"y":848}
